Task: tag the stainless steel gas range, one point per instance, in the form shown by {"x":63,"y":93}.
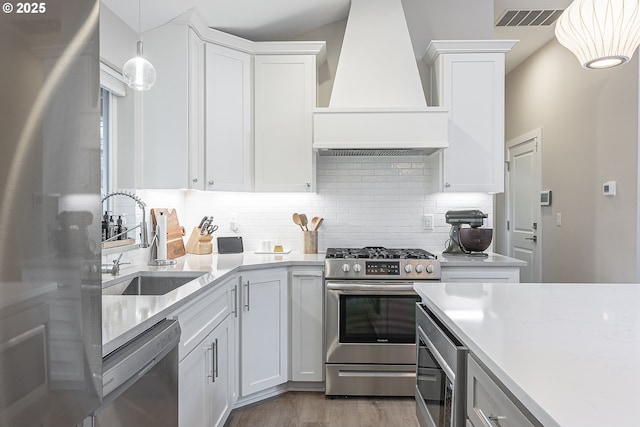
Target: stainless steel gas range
{"x":370,"y":328}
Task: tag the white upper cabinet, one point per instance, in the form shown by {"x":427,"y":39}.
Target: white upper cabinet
{"x":469,"y":82}
{"x":228,"y":143}
{"x":167,"y":109}
{"x":285,"y":96}
{"x":216,"y":121}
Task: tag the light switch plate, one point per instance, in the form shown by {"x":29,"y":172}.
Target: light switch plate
{"x":428,"y":222}
{"x":609,"y":188}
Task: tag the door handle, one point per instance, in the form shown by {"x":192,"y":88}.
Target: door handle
{"x":534,"y":238}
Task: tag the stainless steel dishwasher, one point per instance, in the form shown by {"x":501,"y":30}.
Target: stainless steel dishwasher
{"x":140,"y":381}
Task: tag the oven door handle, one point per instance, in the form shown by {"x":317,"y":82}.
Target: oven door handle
{"x":367,"y":287}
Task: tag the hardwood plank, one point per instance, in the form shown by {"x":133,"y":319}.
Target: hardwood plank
{"x":307,"y":409}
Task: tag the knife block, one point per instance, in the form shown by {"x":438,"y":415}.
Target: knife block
{"x":199,"y":244}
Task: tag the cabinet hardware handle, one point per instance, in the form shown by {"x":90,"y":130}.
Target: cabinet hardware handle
{"x":210,"y":371}
{"x":216,"y":365}
{"x":195,"y":180}
{"x":247,"y":305}
{"x":534,"y":238}
{"x":490,"y":419}
{"x":211,"y":182}
{"x":447,"y":185}
{"x":235,"y":300}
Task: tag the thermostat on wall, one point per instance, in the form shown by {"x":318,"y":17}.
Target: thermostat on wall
{"x":609,"y":188}
{"x":545,"y":198}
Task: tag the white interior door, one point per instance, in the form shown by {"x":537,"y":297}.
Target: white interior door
{"x":524,"y":229}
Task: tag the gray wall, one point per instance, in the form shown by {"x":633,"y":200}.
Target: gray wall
{"x":589,"y":121}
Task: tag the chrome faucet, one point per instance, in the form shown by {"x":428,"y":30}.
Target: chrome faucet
{"x":144,"y":236}
{"x":115,"y":268}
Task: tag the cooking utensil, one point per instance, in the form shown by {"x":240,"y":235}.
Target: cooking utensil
{"x":316,"y":221}
{"x":304,"y":221}
{"x":297,"y":220}
{"x":204,"y":219}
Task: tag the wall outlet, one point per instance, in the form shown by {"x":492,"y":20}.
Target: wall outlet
{"x":428,"y":222}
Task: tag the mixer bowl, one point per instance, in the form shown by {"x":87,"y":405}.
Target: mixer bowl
{"x":476,"y":239}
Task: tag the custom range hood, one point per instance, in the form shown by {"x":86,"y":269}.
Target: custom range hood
{"x":377,"y":105}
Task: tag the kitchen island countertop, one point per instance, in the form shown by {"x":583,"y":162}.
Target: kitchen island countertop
{"x":570,"y":353}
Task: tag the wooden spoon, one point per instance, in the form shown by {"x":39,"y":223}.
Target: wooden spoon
{"x":316,"y":221}
{"x":298,"y":220}
{"x":305,"y":221}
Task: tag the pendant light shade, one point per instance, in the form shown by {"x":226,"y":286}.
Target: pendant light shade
{"x":139,"y":73}
{"x":600,"y":33}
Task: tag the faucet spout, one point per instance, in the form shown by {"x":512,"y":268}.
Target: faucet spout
{"x":144,"y":235}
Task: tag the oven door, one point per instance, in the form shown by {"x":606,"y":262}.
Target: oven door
{"x":370,"y":322}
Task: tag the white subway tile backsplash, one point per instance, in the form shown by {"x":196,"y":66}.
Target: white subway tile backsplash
{"x":365,"y":201}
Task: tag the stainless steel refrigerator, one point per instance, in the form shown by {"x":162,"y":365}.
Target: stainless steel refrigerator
{"x":50,"y":298}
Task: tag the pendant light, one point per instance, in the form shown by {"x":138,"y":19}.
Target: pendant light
{"x":139,"y":73}
{"x":600,"y":33}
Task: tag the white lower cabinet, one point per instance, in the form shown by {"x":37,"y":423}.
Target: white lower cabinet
{"x":263,"y":330}
{"x":204,"y":383}
{"x":206,"y":370}
{"x":307,"y":296}
{"x":487,"y":403}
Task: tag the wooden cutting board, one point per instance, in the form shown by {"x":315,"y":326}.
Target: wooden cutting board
{"x":175,"y":244}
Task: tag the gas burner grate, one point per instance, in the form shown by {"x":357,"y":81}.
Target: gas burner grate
{"x":378,"y":252}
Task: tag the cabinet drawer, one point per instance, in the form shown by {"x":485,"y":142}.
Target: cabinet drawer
{"x":197,"y":320}
{"x":487,"y":403}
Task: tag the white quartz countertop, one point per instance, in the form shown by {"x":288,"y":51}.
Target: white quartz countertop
{"x":491,"y":260}
{"x":126,"y":316}
{"x":569,"y":352}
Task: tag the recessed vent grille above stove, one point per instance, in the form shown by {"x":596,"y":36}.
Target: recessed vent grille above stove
{"x":528,"y":18}
{"x":373,"y":152}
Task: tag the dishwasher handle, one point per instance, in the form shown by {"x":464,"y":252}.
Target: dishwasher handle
{"x":139,"y":355}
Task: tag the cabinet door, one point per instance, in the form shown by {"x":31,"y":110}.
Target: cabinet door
{"x":307,"y":356}
{"x":285,"y":95}
{"x":193,"y":407}
{"x":472,"y":87}
{"x":228,"y":154}
{"x":264,"y":330}
{"x":488,"y":404}
{"x":164,"y":140}
{"x":196,"y":121}
{"x":222,"y":372}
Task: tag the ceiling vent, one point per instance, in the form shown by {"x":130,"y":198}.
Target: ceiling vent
{"x":528,"y":18}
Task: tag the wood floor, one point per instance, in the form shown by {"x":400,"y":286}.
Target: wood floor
{"x":307,"y":409}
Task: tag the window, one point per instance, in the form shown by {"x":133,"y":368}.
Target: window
{"x":105,"y":142}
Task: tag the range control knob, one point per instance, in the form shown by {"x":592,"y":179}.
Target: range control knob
{"x":419,"y":268}
{"x":345,"y":268}
{"x":357,"y":268}
{"x":429,"y":268}
{"x":408,"y":268}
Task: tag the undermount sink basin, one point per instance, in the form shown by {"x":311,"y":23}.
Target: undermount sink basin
{"x":152,"y":283}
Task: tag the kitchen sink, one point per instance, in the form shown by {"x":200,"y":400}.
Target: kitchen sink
{"x":151,"y":283}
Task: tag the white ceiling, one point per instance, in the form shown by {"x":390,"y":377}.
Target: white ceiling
{"x":261,"y":20}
